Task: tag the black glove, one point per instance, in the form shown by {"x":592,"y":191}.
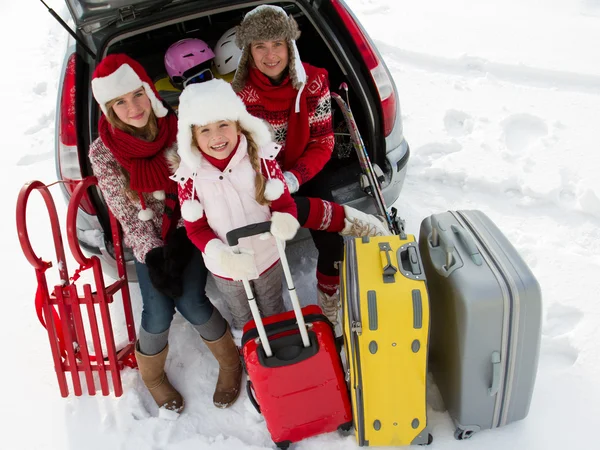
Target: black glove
{"x":163,"y":281}
{"x":178,"y":252}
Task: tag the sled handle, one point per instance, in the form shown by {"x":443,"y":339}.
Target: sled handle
{"x":37,"y":262}
{"x":78,"y":193}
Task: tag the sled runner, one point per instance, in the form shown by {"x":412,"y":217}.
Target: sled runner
{"x":295,"y":375}
{"x":62,"y":310}
{"x":485,"y":320}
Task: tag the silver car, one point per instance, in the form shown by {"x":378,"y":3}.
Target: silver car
{"x":331,"y":38}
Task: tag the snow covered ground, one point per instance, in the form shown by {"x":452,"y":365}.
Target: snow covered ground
{"x":500,"y":102}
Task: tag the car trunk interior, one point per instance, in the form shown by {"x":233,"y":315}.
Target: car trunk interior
{"x":148,"y":47}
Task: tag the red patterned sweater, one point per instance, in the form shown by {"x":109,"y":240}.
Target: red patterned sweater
{"x":317,"y":99}
{"x":140,"y":236}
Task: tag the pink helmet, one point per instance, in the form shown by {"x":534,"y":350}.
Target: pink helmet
{"x":186,"y":54}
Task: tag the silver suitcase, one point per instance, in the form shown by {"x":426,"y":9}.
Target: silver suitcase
{"x":486,"y":314}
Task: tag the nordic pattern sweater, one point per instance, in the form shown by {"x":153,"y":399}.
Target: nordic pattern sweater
{"x":140,"y":236}
{"x":317,"y":98}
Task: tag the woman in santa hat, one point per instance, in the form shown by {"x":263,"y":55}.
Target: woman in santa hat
{"x":294,"y":98}
{"x":128,"y":158}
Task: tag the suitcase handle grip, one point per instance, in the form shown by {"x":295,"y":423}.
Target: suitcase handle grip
{"x":440,"y":237}
{"x":469,"y":243}
{"x":386,"y":262}
{"x":234,"y":236}
{"x":251,"y":396}
{"x":493,"y":390}
{"x":447,"y":244}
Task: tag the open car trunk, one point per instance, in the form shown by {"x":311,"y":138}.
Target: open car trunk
{"x":324,"y":42}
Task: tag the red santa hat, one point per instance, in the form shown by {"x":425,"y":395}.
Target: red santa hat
{"x":117,"y":75}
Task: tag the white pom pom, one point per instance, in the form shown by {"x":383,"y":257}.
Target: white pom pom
{"x":145,"y":215}
{"x":159,"y":195}
{"x":192,"y":210}
{"x":273,"y":189}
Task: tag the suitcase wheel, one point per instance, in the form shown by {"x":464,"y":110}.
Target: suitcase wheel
{"x":429,"y":439}
{"x":283,"y":445}
{"x":345,"y":427}
{"x":461,"y":434}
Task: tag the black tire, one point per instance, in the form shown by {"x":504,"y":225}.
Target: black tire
{"x":283,"y":445}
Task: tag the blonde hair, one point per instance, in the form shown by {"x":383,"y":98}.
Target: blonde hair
{"x":260,"y":182}
{"x":148,"y":133}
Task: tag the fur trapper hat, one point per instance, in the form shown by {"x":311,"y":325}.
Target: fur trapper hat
{"x":213,"y":101}
{"x":117,"y":75}
{"x":268,"y":23}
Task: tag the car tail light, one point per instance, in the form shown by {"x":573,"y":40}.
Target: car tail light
{"x":68,"y":150}
{"x":381,"y":78}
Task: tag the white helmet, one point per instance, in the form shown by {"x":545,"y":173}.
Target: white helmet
{"x":227,"y":54}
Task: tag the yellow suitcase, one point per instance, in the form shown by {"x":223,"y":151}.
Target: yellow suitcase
{"x":385,"y":311}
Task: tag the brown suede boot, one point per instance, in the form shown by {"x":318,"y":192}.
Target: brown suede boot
{"x":230,"y":370}
{"x":152,"y":370}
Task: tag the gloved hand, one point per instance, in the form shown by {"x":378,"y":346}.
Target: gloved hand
{"x":292,"y":182}
{"x":178,"y":252}
{"x":169,"y":284}
{"x":237,"y":265}
{"x":284,"y":226}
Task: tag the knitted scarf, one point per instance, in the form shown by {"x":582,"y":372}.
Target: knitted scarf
{"x":146,"y":164}
{"x":273,"y":97}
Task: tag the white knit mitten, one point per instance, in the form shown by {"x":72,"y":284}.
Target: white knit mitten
{"x":284,"y":226}
{"x":237,"y":265}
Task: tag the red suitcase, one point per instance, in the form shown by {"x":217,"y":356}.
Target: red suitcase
{"x":299,"y":389}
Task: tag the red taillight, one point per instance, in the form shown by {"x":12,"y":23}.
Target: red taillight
{"x":380,"y":76}
{"x":68,"y":151}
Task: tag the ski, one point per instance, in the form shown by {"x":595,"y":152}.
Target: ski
{"x":395,"y":224}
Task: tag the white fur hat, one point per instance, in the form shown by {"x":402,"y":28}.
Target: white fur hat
{"x":208,"y":102}
{"x":117,"y":75}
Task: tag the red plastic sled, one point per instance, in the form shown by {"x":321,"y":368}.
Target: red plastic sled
{"x":60,"y":311}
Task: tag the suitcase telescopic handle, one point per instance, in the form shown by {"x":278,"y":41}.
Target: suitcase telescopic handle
{"x":233,"y":238}
{"x":440,"y":237}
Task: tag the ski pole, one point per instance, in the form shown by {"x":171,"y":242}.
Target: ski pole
{"x":365,"y":162}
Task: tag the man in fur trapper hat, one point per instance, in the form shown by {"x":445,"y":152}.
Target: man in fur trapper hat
{"x":294,"y":98}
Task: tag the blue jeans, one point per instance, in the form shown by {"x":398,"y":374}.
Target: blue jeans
{"x":158,"y":309}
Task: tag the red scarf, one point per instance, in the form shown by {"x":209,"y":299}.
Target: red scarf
{"x":146,"y":164}
{"x":298,"y":129}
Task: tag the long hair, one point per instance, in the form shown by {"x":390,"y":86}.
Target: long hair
{"x":148,"y":133}
{"x":260,"y":182}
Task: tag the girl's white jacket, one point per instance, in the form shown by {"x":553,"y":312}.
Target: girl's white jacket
{"x":228,"y":201}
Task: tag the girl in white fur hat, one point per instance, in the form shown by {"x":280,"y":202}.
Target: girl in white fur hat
{"x":228,"y":178}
